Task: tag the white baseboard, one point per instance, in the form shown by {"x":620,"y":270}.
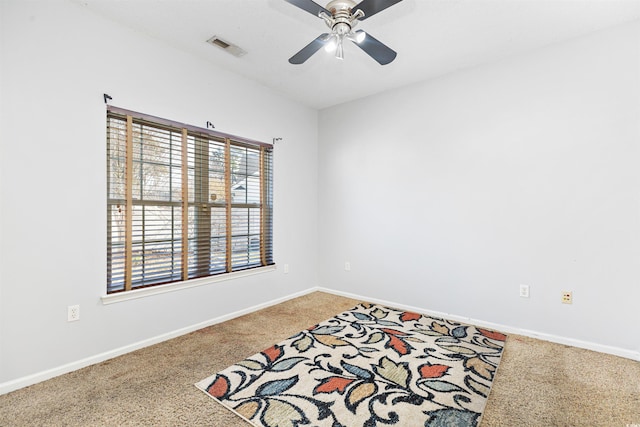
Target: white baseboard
{"x":28,"y":380}
{"x":616,"y":351}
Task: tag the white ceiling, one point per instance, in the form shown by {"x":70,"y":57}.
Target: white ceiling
{"x":432,"y":37}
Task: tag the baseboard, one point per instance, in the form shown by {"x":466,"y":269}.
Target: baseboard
{"x":616,"y":351}
{"x":28,"y":380}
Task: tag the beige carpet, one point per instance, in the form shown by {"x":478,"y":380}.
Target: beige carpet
{"x":538,"y":383}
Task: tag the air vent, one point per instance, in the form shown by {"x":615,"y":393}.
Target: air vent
{"x":226,"y":46}
{"x":219,"y":42}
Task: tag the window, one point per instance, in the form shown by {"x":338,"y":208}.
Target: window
{"x":183,"y":202}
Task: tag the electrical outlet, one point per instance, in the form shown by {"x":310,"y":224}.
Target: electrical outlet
{"x":347,"y":266}
{"x":524,"y":291}
{"x":73,"y":313}
{"x":567,"y":297}
{"x":286,"y":269}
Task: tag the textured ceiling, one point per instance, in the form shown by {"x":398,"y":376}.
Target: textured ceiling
{"x":432,"y":37}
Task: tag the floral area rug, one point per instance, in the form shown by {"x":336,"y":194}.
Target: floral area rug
{"x":369,"y":366}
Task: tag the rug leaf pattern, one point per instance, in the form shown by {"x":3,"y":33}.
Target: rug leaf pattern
{"x":369,"y":366}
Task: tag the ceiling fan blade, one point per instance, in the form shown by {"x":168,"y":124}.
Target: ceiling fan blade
{"x":376,"y":49}
{"x":310,"y":6}
{"x":306,"y":52}
{"x":371,"y":7}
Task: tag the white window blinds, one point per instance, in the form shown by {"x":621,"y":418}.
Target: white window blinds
{"x":183,"y":202}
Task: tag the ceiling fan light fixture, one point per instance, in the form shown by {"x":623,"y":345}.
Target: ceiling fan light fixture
{"x":339,"y":50}
{"x":357,"y":37}
{"x":332,"y":44}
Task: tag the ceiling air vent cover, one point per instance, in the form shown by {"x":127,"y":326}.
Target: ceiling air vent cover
{"x":226,"y":46}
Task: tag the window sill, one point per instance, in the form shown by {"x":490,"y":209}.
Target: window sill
{"x":170,"y":287}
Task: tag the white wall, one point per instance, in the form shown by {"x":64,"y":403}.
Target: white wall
{"x":57,"y":61}
{"x":446,"y":195}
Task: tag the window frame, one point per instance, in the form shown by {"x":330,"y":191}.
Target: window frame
{"x":197,"y":245}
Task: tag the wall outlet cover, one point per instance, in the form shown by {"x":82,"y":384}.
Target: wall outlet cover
{"x":73,"y":313}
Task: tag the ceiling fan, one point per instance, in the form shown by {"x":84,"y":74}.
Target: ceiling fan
{"x":341,"y":16}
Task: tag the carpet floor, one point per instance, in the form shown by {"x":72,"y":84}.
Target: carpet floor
{"x":538,"y":383}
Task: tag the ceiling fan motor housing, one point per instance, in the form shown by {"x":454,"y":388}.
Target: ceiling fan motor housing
{"x":343,"y":20}
{"x":335,"y":6}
